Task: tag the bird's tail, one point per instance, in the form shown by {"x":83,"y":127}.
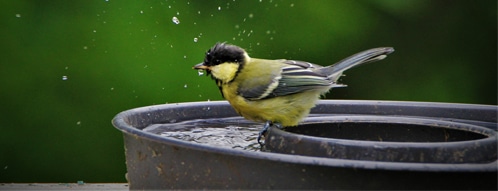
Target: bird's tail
{"x":367,"y":56}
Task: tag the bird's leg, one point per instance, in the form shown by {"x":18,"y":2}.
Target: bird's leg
{"x":263,"y":131}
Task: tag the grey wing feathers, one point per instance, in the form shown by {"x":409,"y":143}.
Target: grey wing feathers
{"x":259,"y":91}
{"x":295,"y":77}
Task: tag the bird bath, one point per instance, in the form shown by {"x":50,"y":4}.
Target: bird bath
{"x":345,"y":145}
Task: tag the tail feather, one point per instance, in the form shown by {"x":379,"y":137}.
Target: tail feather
{"x":367,"y":56}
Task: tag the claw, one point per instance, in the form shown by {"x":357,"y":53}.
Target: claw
{"x":263,"y":131}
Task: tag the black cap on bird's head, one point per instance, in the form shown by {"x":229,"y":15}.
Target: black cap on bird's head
{"x":221,"y":53}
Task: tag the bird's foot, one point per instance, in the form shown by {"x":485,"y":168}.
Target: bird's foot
{"x":263,"y":131}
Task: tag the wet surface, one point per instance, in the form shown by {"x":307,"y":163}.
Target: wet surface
{"x":234,"y":132}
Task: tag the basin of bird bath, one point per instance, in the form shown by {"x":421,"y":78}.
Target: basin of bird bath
{"x":384,"y":138}
{"x":370,"y":145}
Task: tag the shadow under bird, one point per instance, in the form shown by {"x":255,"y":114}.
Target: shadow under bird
{"x":276,"y":92}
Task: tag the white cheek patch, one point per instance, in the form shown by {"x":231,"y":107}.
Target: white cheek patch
{"x":225,"y":72}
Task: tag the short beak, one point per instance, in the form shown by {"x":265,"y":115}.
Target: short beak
{"x":200,"y":66}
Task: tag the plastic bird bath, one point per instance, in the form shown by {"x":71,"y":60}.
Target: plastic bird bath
{"x":356,"y":145}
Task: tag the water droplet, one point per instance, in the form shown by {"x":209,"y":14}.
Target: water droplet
{"x":64,"y":78}
{"x":175,"y":20}
{"x":200,"y":72}
{"x":85,"y":47}
{"x":141,"y":12}
{"x":78,"y":123}
{"x":195,"y":39}
{"x":292,"y":5}
{"x":184,"y":56}
{"x":219,"y":8}
{"x":185,"y":86}
{"x":18,"y":15}
{"x":251,"y":16}
{"x":112,"y":88}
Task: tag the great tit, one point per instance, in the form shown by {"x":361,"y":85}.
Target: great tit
{"x":280,"y":92}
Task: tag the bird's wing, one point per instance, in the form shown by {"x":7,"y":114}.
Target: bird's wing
{"x":293,"y":77}
{"x":299,"y":76}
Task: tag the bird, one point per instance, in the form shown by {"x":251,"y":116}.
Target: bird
{"x":277,"y":92}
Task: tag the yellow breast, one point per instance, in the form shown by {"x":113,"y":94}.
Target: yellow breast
{"x":286,"y":110}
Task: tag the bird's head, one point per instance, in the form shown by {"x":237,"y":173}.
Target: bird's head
{"x":223,"y":61}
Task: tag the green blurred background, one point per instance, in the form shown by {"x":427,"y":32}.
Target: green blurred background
{"x":68,"y":67}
